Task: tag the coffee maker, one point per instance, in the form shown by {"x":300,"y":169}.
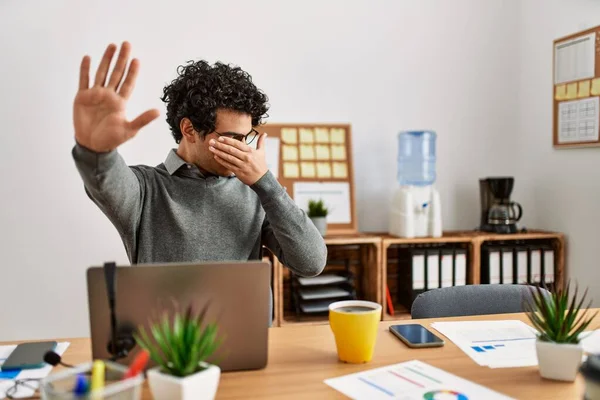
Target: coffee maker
{"x":498,"y":213}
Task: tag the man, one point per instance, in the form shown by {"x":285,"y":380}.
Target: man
{"x":213,"y":198}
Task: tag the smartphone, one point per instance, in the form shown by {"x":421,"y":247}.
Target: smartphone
{"x":28,"y":356}
{"x":415,"y":335}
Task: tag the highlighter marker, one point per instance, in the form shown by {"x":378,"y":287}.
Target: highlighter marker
{"x":81,"y":385}
{"x":138,"y":364}
{"x":97,"y":375}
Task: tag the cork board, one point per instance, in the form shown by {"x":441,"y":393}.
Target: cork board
{"x":315,"y":161}
{"x":576,"y":90}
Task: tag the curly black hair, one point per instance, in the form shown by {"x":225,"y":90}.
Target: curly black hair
{"x":201,"y":89}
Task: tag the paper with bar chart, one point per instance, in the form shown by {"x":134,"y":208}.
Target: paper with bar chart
{"x":411,"y":380}
{"x":496,"y":344}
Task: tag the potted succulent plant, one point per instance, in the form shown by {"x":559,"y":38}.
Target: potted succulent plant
{"x":317,"y":212}
{"x":559,"y":319}
{"x":181,"y":346}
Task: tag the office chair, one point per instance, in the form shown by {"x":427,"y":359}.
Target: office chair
{"x":471,"y":300}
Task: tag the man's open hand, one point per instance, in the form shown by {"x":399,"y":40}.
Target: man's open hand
{"x":99,"y":111}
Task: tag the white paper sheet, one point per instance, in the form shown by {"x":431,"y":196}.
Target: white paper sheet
{"x":335,"y":195}
{"x":272,"y":155}
{"x":37,"y":373}
{"x":324,"y":279}
{"x":578,"y":120}
{"x":574,"y":59}
{"x":496,"y":344}
{"x":591,"y":341}
{"x":410,"y":380}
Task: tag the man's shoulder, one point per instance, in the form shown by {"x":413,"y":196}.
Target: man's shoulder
{"x":147,"y":171}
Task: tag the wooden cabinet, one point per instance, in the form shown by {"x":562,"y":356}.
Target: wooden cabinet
{"x":372,"y":261}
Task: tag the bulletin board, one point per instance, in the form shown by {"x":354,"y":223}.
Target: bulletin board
{"x":576,"y":90}
{"x":314,"y":161}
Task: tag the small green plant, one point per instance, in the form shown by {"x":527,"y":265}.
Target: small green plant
{"x":559,"y":318}
{"x":181,"y":342}
{"x":316,"y":208}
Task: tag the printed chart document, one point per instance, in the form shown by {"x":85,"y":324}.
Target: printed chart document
{"x":410,"y":380}
{"x":590,"y":340}
{"x":496,"y":344}
{"x":7,"y":378}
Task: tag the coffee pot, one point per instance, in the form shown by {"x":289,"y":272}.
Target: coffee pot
{"x":498,"y":213}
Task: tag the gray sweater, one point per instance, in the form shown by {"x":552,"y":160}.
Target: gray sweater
{"x":174,"y":213}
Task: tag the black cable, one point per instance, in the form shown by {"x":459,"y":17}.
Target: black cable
{"x":11,"y":391}
{"x":51,"y":358}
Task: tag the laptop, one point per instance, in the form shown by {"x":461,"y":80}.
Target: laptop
{"x":237,"y":294}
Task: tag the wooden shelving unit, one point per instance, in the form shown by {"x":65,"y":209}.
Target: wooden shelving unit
{"x":364,"y":253}
{"x":472,"y":241}
{"x":369,"y":253}
{"x":389,"y":242}
{"x":558,"y":244}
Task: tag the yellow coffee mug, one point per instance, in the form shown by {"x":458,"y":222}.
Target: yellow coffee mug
{"x":355,"y":324}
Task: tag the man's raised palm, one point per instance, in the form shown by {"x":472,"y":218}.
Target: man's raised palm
{"x":99,"y":112}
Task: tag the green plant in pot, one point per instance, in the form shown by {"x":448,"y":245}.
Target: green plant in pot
{"x":559,"y":318}
{"x":180,"y":344}
{"x":317,"y":212}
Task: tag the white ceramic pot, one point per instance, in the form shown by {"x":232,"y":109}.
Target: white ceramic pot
{"x":321,"y":224}
{"x":559,"y":361}
{"x":199,"y":386}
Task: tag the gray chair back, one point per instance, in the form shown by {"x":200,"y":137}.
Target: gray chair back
{"x":467,"y":300}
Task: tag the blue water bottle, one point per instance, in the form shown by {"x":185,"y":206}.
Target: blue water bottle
{"x":416,"y":158}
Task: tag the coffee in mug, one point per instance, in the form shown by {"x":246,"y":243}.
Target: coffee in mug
{"x":355,"y":309}
{"x":355,"y":324}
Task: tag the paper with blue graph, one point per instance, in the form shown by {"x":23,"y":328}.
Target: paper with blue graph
{"x":495,"y":344}
{"x":27,"y":388}
{"x":411,"y":380}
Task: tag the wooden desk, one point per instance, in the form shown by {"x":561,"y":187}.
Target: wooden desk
{"x":301,"y":357}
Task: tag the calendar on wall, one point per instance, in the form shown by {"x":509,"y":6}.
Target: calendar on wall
{"x":576,"y":90}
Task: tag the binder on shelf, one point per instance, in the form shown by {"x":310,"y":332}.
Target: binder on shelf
{"x":447,"y":267}
{"x":460,"y":267}
{"x":506,"y":263}
{"x":433,"y":268}
{"x":418,"y":269}
{"x":494,"y":265}
{"x":521,"y":261}
{"x":548,"y":265}
{"x":423,"y":268}
{"x":535,"y":264}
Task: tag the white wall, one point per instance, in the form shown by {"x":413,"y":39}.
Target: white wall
{"x":383,"y":66}
{"x":563,"y":186}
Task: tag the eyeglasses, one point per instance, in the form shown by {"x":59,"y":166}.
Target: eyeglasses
{"x":247,"y":138}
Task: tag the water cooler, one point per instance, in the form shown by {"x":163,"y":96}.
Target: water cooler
{"x":415,"y":209}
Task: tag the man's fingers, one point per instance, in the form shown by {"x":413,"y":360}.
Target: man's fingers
{"x":104,"y":65}
{"x":242,"y":155}
{"x":226,"y":164}
{"x":261,"y":141}
{"x":129,"y":82}
{"x":235,"y":143}
{"x":120,"y":65}
{"x":84,"y":73}
{"x":143,"y":120}
{"x":226,"y":157}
